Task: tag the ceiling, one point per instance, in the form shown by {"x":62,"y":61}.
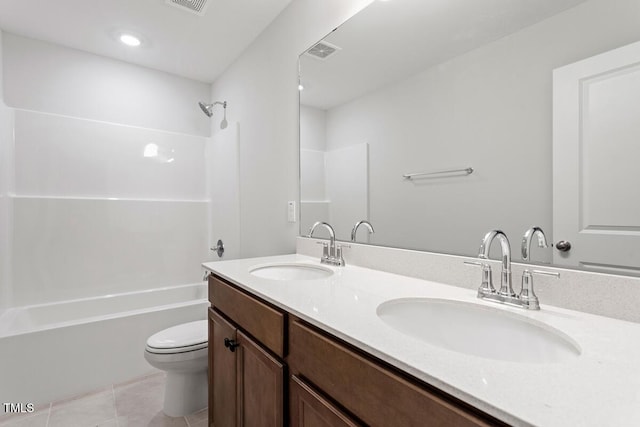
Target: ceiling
{"x":392,"y":40}
{"x":174,"y":40}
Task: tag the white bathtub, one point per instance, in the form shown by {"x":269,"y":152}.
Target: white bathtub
{"x":53,"y":351}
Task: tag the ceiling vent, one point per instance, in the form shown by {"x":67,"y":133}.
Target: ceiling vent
{"x":322,"y":50}
{"x":198,"y":7}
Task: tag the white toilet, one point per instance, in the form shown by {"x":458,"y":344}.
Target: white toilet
{"x":181,"y":351}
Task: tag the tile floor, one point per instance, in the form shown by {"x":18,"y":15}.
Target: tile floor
{"x":136,"y":403}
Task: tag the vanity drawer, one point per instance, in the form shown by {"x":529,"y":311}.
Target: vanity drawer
{"x":263,"y":322}
{"x":373,"y":393}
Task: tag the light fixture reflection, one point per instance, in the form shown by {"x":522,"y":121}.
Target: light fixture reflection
{"x":161,"y":155}
{"x":130,"y":40}
{"x":150,"y":150}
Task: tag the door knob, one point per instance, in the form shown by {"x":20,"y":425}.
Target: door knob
{"x":563,"y":246}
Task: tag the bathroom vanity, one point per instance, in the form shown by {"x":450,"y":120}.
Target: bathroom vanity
{"x":246,"y":351}
{"x":314,"y":348}
{"x":330,"y":383}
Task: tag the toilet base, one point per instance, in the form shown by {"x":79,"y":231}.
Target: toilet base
{"x":185,"y":393}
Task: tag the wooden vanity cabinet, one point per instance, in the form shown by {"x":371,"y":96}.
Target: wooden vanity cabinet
{"x":332,"y":384}
{"x":222,"y":372}
{"x":246,"y":381}
{"x":375,"y":394}
{"x":310,"y":409}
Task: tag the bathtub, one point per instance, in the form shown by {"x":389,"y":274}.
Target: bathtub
{"x":54,"y":351}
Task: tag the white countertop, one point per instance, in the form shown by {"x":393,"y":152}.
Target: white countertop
{"x":599,"y":388}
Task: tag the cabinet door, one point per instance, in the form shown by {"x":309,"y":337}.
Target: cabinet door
{"x":222,"y":373}
{"x":263,"y":322}
{"x":373,"y":393}
{"x":310,"y":409}
{"x":260,"y":386}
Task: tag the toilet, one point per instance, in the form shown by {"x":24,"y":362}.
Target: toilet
{"x":181,"y":351}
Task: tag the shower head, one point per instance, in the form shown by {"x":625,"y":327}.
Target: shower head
{"x":206,"y":108}
{"x":223,"y":123}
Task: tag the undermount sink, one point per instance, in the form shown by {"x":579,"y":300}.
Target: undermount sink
{"x":478,"y":330}
{"x":291,"y":271}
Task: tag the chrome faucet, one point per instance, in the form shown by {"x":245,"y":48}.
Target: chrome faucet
{"x":358,"y":224}
{"x":506,"y":289}
{"x":330,"y":254}
{"x":527,"y":298}
{"x":526,"y":241}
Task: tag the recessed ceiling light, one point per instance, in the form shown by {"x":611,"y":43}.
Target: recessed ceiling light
{"x":130,"y":40}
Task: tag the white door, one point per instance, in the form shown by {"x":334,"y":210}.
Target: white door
{"x":596,"y":161}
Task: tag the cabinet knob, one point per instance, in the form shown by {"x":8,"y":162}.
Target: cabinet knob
{"x":230,"y":344}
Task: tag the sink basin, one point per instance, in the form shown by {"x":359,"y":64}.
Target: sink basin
{"x":291,"y":271}
{"x":478,"y":330}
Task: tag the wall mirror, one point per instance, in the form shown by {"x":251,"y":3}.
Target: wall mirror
{"x":539,"y":99}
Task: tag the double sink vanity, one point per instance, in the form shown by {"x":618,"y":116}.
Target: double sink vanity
{"x":296,"y":342}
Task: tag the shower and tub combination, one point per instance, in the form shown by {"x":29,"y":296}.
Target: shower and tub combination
{"x":82,"y":303}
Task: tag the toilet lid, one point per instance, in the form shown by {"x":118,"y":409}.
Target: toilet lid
{"x":192,"y":334}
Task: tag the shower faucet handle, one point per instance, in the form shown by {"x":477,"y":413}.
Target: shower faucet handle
{"x":219,"y":248}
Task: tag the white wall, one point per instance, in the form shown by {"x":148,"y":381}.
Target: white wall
{"x":314,"y":203}
{"x":109,"y":189}
{"x":71,"y":82}
{"x":261,"y":88}
{"x":333,"y":184}
{"x":5,"y":201}
{"x":489,"y":109}
{"x":313,"y":128}
{"x":313,"y":144}
{"x":347,"y":171}
{"x":223,"y":178}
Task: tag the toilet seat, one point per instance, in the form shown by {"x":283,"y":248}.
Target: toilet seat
{"x":183,"y":338}
{"x":174,"y":350}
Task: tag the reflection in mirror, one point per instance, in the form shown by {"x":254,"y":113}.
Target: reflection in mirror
{"x":499,"y":86}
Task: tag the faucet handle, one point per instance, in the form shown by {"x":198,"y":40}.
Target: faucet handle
{"x":486,"y":286}
{"x":546,"y":273}
{"x":528,"y":297}
{"x":339,"y":258}
{"x":325,"y":249}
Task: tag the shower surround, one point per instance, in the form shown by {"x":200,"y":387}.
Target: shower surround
{"x":107,"y":186}
{"x":102,"y":193}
